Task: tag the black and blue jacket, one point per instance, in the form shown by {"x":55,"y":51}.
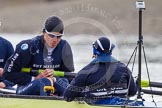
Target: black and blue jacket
{"x":104,"y":76}
{"x":33,"y":54}
{"x":6,"y":50}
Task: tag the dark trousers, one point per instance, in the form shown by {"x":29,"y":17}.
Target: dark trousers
{"x":35,"y":87}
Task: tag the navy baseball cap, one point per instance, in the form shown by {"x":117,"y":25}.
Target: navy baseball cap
{"x":102,"y":44}
{"x":54,"y":24}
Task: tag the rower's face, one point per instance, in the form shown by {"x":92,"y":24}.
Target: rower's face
{"x":52,"y":42}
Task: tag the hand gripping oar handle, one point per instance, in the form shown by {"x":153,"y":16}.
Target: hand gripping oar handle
{"x":56,"y":73}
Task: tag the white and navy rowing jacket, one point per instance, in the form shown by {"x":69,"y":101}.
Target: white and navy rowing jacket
{"x":104,"y":76}
{"x":32,"y":53}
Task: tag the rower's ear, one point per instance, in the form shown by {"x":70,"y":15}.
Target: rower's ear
{"x":43,"y":30}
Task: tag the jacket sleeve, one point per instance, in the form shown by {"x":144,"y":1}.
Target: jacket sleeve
{"x":20,"y":58}
{"x":67,"y":57}
{"x":132,"y":87}
{"x":126,"y":76}
{"x":10,"y":50}
{"x":77,"y":85}
{"x":75,"y":88}
{"x":8,"y":83}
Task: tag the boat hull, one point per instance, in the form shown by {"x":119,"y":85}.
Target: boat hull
{"x":40,"y":103}
{"x":22,"y":101}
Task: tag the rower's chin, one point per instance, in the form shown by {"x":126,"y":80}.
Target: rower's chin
{"x":53,"y":45}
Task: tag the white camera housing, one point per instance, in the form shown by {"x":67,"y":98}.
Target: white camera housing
{"x":140,"y":4}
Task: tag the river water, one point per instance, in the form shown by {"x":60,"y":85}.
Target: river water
{"x":125,"y":45}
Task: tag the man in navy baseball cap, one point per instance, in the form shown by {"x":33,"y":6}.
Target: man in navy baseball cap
{"x":47,"y":51}
{"x":105,"y":78}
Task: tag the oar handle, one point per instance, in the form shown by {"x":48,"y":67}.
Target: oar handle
{"x":145,"y":83}
{"x":56,"y":73}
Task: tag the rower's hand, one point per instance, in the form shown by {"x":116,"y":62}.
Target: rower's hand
{"x":2,"y":85}
{"x":1,"y":72}
{"x":46,"y":73}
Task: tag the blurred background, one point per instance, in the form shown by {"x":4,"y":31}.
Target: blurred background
{"x":85,"y":21}
{"x":28,"y":16}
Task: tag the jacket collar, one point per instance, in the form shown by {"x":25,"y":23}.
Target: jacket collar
{"x":104,"y":59}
